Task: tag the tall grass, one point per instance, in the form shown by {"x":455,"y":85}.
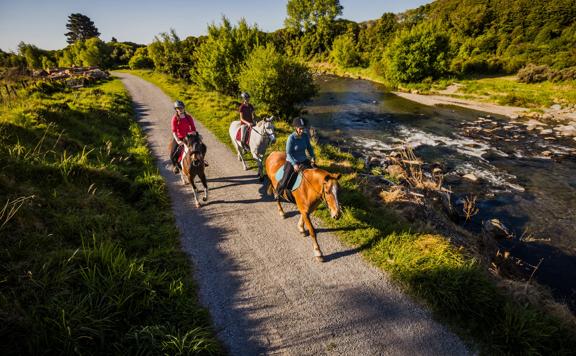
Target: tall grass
{"x":455,"y":285}
{"x":89,"y":253}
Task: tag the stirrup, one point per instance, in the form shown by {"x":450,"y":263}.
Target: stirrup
{"x":206,"y":163}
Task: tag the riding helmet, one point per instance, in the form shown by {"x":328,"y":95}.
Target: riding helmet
{"x":299,"y":122}
{"x":178,"y":105}
{"x":245,"y":95}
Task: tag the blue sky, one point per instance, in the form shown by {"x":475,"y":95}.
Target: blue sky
{"x":43,"y":23}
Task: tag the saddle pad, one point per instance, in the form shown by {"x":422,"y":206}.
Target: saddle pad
{"x":296,"y":184}
{"x":239,"y":135}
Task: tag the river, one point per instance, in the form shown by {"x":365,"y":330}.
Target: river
{"x":527,"y":177}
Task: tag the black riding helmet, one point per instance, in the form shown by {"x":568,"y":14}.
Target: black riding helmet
{"x":299,"y":122}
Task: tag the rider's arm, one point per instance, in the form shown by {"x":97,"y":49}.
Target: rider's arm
{"x":178,"y":141}
{"x":310,"y":148}
{"x":174,"y":129}
{"x":290,"y":150}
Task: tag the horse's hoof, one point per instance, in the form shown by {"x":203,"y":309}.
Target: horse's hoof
{"x":282,"y":215}
{"x":320,"y":259}
{"x":204,"y":199}
{"x":197,"y":205}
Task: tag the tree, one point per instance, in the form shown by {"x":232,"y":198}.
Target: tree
{"x":418,"y":54}
{"x":80,"y":28}
{"x":304,"y":15}
{"x":344,"y":51}
{"x":218,"y":59}
{"x":276,"y":82}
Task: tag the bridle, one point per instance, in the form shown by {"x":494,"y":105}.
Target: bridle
{"x":322,"y":193}
{"x":193,"y":162}
{"x":266,"y":135}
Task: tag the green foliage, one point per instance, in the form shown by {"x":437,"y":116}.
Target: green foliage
{"x":344,"y":51}
{"x":121,"y":52}
{"x":92,"y":52}
{"x":418,"y":54}
{"x":140,"y":60}
{"x":80,"y":28}
{"x":90,"y":256}
{"x":218,"y":59}
{"x":172,"y":55}
{"x":304,"y":15}
{"x":277,"y":83}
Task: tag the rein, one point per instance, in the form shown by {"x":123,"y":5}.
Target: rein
{"x":322,"y":194}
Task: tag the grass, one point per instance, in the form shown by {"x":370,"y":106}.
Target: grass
{"x":90,"y":261}
{"x":507,"y":91}
{"x":452,"y":283}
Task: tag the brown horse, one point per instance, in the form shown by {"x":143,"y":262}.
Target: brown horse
{"x":192,"y":165}
{"x":317,"y":185}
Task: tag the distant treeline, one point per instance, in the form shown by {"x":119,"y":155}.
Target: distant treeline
{"x":446,"y":37}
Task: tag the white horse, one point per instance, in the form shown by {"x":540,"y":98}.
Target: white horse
{"x":261,"y":136}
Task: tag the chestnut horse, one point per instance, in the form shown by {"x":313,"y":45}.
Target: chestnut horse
{"x":317,"y":185}
{"x":192,"y":165}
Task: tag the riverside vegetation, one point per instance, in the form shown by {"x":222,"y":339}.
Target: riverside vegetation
{"x":450,"y":280}
{"x":90,"y":256}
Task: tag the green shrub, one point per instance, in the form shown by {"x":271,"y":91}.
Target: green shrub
{"x":417,"y":54}
{"x":533,"y":73}
{"x":344,"y":51}
{"x":276,"y":82}
{"x":141,"y":62}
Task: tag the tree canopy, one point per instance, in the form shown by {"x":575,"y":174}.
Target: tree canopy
{"x":80,"y":27}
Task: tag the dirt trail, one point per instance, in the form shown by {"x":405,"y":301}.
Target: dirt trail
{"x":258,"y":278}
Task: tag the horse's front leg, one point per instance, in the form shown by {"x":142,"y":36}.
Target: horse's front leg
{"x":317,"y":252}
{"x":301,"y":225}
{"x":205,"y":184}
{"x":194,"y":191}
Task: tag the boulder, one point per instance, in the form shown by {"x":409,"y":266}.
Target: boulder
{"x":496,"y":229}
{"x":471,"y":177}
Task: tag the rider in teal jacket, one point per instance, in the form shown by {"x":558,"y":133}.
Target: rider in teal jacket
{"x":297,"y":145}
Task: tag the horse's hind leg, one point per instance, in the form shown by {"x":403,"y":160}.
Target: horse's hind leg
{"x":317,"y":251}
{"x":280,"y":210}
{"x":205,"y":184}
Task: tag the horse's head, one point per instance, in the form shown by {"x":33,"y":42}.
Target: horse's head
{"x":330,"y":192}
{"x":267,"y":128}
{"x":193,"y":147}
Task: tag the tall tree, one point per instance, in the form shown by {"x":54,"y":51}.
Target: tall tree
{"x":307,"y":14}
{"x":80,"y":28}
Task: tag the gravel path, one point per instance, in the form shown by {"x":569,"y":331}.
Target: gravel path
{"x":257,"y":276}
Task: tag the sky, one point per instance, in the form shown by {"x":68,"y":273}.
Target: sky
{"x":43,"y":23}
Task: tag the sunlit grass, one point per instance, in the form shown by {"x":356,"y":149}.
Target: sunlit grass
{"x":89,"y":252}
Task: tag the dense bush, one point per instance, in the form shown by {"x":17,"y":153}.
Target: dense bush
{"x":276,"y":83}
{"x":140,"y":60}
{"x":532,"y":73}
{"x":219,"y":58}
{"x":172,"y":55}
{"x":418,"y":54}
{"x":344,"y":51}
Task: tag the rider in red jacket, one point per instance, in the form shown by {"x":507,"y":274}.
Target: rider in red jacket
{"x":182,"y":125}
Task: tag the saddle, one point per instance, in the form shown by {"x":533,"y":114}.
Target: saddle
{"x":246,"y":143}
